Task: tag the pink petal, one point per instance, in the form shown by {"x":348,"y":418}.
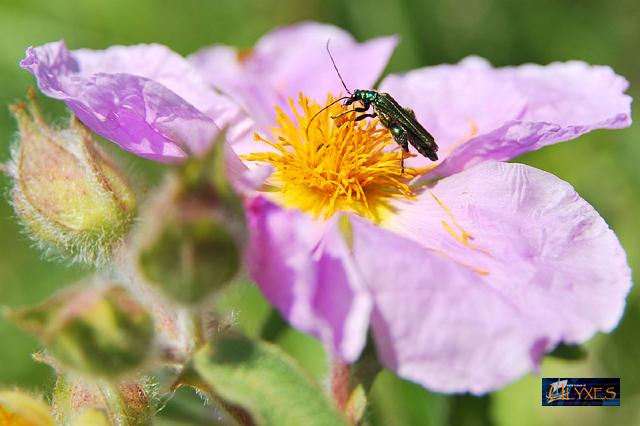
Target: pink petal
{"x":157,"y":63}
{"x":479,"y":113}
{"x":220,"y":66}
{"x":437,"y":323}
{"x":291,"y":60}
{"x":242,"y":179}
{"x":304,"y":268}
{"x":533,"y":243}
{"x":144,"y":98}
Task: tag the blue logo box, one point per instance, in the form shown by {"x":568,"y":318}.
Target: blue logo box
{"x":580,"y":391}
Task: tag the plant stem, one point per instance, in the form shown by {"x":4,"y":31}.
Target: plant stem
{"x":340,"y":383}
{"x":196,"y":330}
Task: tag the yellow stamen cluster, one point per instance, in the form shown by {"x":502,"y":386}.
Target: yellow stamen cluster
{"x":331,"y":164}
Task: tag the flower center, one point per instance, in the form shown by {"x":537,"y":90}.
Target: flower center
{"x":324,"y":164}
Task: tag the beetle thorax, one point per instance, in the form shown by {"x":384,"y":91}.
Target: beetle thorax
{"x":365,"y":95}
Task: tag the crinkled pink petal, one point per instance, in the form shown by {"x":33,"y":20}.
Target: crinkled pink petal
{"x":518,"y":236}
{"x":160,"y":64}
{"x":144,"y":98}
{"x":477,"y":112}
{"x":437,"y":323}
{"x":304,"y":268}
{"x":291,"y":60}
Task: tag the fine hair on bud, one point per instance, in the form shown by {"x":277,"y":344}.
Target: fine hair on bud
{"x":71,"y":198}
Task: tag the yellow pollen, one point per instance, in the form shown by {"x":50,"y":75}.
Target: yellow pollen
{"x":479,"y":271}
{"x":336,"y":164}
{"x":463,"y":236}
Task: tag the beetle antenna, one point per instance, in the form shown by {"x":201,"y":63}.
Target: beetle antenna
{"x":336,"y":68}
{"x":318,"y":113}
{"x":344,"y":113}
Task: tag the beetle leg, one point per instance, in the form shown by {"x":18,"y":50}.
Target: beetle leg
{"x":363,"y":116}
{"x":358,"y":109}
{"x":401,"y":136}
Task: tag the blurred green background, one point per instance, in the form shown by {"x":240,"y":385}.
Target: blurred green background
{"x":603,"y":165}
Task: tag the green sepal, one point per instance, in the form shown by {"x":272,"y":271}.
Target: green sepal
{"x":208,"y":174}
{"x":78,"y":401}
{"x":190,"y":258}
{"x":569,"y":352}
{"x":99,"y":330}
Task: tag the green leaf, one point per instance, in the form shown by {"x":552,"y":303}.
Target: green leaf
{"x":470,"y":410}
{"x":265,"y":381}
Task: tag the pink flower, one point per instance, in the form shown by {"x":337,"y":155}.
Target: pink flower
{"x":467,"y":281}
{"x":147,"y":99}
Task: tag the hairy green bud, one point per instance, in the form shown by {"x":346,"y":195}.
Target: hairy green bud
{"x":190,"y":239}
{"x":69,"y":195}
{"x":99,"y":331}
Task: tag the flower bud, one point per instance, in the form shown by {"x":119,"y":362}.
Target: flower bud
{"x":83,"y":402}
{"x":99,"y":331}
{"x":191,"y":235}
{"x":20,"y":408}
{"x":67,"y":193}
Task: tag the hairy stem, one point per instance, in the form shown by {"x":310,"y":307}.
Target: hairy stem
{"x":113,"y":402}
